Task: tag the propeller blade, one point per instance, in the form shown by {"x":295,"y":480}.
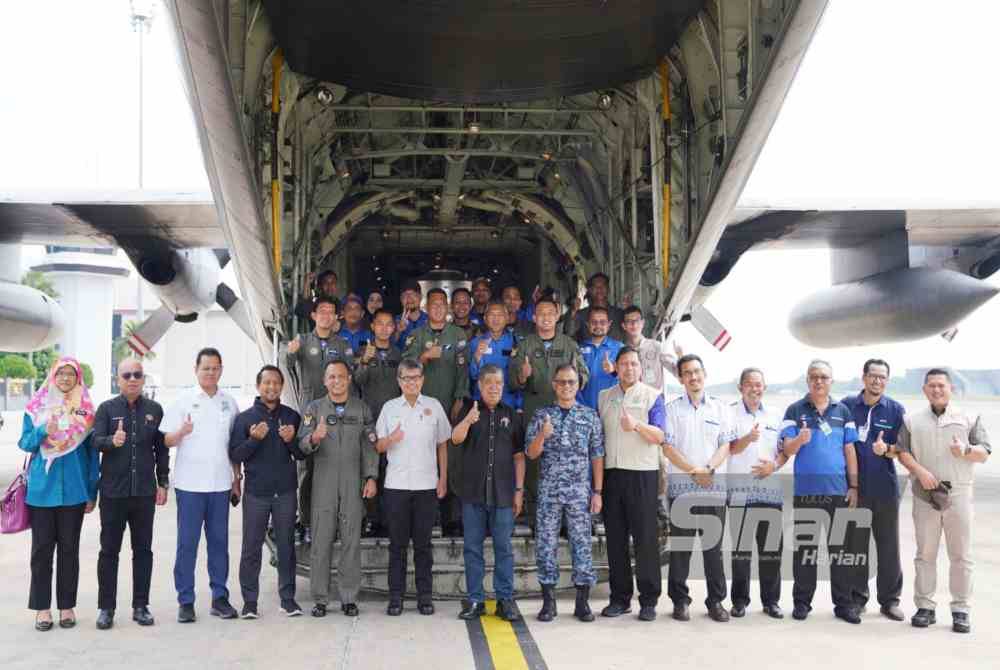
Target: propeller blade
{"x":144,"y":338}
{"x":709,"y":327}
{"x":223,"y":256}
{"x":235,"y":308}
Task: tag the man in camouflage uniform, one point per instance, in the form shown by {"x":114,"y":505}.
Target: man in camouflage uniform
{"x":375,"y":377}
{"x":531,"y":369}
{"x":311,"y":353}
{"x":569,"y":438}
{"x":443,"y":350}
{"x":338,"y":430}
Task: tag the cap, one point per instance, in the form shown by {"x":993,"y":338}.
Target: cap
{"x":354,"y":297}
{"x":410,"y":285}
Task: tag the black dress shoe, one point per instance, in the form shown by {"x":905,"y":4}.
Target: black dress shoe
{"x":716,"y":612}
{"x":43,"y":626}
{"x":395,"y":608}
{"x":848,"y":614}
{"x":473,"y":610}
{"x":426,"y":609}
{"x":142,"y":616}
{"x":319,"y":610}
{"x":773,"y":611}
{"x":892,"y":612}
{"x":800,"y":612}
{"x":349,"y":609}
{"x":647,"y":613}
{"x":616,"y":609}
{"x":222,"y":609}
{"x":681,"y":613}
{"x":185,"y":614}
{"x":923,"y":618}
{"x":508,"y":611}
{"x":960,"y":622}
{"x":68,"y":623}
{"x":738,"y":611}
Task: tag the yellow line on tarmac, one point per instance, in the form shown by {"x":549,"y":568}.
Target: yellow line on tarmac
{"x":502,"y":640}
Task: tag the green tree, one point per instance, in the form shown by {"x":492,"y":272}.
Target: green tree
{"x":43,"y":359}
{"x":14,"y":366}
{"x":88,"y":375}
{"x":40,"y":282}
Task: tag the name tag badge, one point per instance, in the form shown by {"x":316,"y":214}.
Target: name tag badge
{"x":488,"y":350}
{"x":863,"y":433}
{"x":825,"y":427}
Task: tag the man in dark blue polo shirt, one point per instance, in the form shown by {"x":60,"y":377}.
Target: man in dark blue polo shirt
{"x":820,"y":433}
{"x":878,"y":419}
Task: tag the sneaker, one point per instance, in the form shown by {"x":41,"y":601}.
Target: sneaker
{"x":960,"y":622}
{"x":249,"y":611}
{"x":185,"y":614}
{"x":222,"y":609}
{"x":923,"y":618}
{"x":291,"y":608}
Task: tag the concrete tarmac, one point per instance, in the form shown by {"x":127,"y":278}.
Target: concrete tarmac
{"x":374,"y":640}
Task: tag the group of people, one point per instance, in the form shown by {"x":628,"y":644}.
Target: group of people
{"x":423,"y":418}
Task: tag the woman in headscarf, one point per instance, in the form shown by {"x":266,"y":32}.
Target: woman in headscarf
{"x":62,"y":486}
{"x":372,"y":305}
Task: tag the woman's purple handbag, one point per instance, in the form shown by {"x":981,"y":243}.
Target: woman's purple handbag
{"x":14,"y":514}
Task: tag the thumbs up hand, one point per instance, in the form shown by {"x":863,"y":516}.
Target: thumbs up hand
{"x":52,"y":425}
{"x":607,"y":365}
{"x":755,"y":433}
{"x":396,"y":436}
{"x":320,"y":433}
{"x":118,"y":439}
{"x":957,"y":448}
{"x":627,"y":422}
{"x":805,"y":433}
{"x":259,"y":430}
{"x":525,"y":368}
{"x":294,"y":345}
{"x":187,"y":427}
{"x":473,"y":415}
{"x":286,"y":432}
{"x":879,"y":446}
{"x":547,"y":428}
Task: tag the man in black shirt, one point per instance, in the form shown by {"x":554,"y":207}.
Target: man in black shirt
{"x":491,"y":435}
{"x":263,"y":440}
{"x":135,"y":473}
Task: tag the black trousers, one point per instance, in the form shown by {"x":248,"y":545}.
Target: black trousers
{"x":138,"y":513}
{"x":279,"y":509}
{"x":51,"y":528}
{"x":885,"y":528}
{"x":411,"y":517}
{"x":817,"y":515}
{"x":375,"y":506}
{"x":630,"y":512}
{"x":749,"y":525}
{"x":711,"y":555}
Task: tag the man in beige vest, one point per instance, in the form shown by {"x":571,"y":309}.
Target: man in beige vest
{"x":633,"y":416}
{"x":939,"y":446}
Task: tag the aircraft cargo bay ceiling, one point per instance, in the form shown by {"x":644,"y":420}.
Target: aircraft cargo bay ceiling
{"x":478,"y":50}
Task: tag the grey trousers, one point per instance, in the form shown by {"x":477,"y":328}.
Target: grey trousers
{"x":956,"y":524}
{"x":257,"y":510}
{"x":341,"y":521}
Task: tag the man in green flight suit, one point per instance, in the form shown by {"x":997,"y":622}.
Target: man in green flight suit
{"x":443,"y":350}
{"x":312,"y":352}
{"x":531,"y":370}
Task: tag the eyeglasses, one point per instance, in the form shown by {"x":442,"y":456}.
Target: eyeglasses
{"x":878,"y":378}
{"x":71,"y":374}
{"x":131,"y":375}
{"x":564,"y":382}
{"x":408,"y":379}
{"x":819,"y":379}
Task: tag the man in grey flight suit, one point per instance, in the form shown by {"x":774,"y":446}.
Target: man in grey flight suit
{"x":311,"y":353}
{"x":338,"y":430}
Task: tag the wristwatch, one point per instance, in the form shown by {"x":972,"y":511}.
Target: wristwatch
{"x":596,"y":492}
{"x":518,"y":488}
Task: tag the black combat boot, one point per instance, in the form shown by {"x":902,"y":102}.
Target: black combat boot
{"x":548,"y":611}
{"x":582,"y":611}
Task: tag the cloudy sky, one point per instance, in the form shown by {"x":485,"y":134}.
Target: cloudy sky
{"x":892,"y":108}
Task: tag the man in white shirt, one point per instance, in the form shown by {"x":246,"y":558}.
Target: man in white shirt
{"x":755,"y":496}
{"x":197,"y":425}
{"x":413,"y":432}
{"x":696,"y":444}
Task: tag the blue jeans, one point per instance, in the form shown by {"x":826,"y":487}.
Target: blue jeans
{"x":499,"y":521}
{"x":195,"y":510}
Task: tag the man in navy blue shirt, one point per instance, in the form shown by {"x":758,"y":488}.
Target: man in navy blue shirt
{"x":820,"y":433}
{"x":878,"y":419}
{"x":599,"y":354}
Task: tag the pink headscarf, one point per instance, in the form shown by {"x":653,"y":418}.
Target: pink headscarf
{"x":73,"y":412}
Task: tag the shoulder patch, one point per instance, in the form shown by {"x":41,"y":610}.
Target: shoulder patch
{"x":410,"y":339}
{"x":307,"y":419}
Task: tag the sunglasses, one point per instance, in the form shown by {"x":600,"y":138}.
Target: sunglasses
{"x":131,"y":375}
{"x":564,"y":382}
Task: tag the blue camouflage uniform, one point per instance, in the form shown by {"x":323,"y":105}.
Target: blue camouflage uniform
{"x":564,"y":485}
{"x":498,"y":354}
